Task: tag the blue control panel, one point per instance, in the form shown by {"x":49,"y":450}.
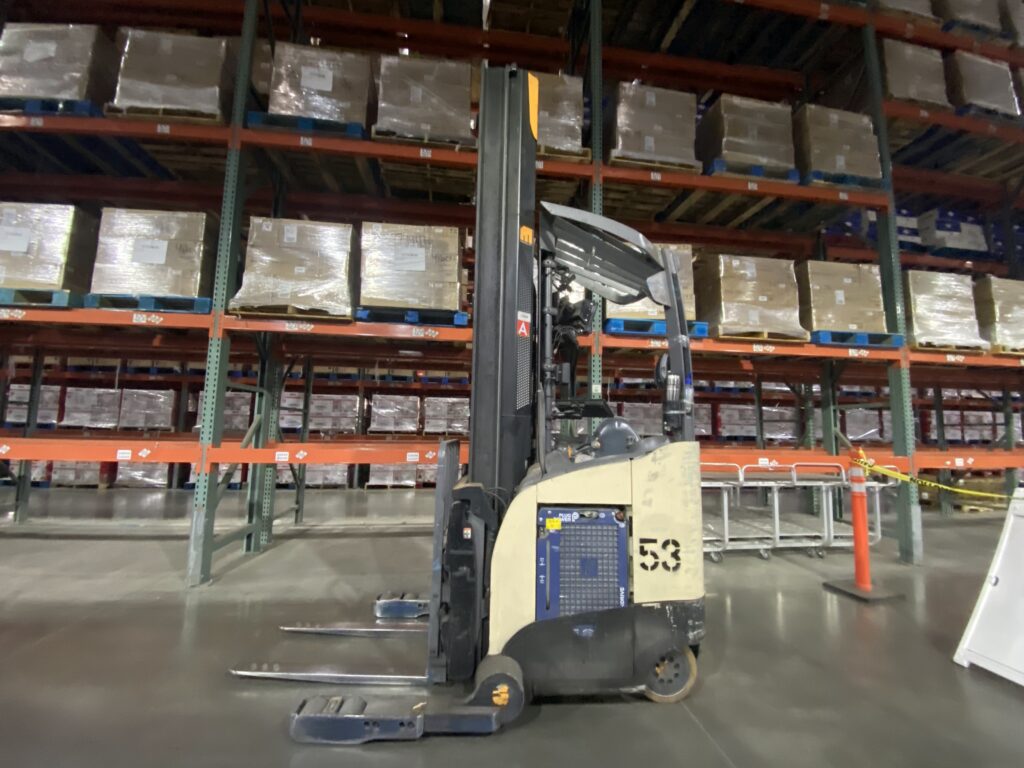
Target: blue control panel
{"x":582,"y":560}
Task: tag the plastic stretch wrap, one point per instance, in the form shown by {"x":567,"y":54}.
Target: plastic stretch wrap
{"x":40,"y":471}
{"x":914,"y":73}
{"x":17,"y":404}
{"x":702,"y":417}
{"x":916,"y":7}
{"x":426,"y":474}
{"x":424,"y":98}
{"x":320,"y":83}
{"x":293,"y":263}
{"x":1000,"y":306}
{"x":394,"y":413}
{"x":979,"y":82}
{"x":979,"y":13}
{"x":137,"y":474}
{"x":978,"y":426}
{"x":747,"y":132}
{"x":864,"y":425}
{"x":410,"y":267}
{"x":164,"y":71}
{"x":56,"y":61}
{"x":392,"y":475}
{"x":1012,"y":14}
{"x":655,"y":125}
{"x":222,"y":471}
{"x":748,"y":294}
{"x":327,"y":413}
{"x":235,"y":416}
{"x":835,"y":142}
{"x":780,"y":423}
{"x":91,"y":407}
{"x":146,"y":409}
{"x":46,"y":247}
{"x":560,"y":112}
{"x":154,"y":253}
{"x":646,"y":309}
{"x":644,"y":418}
{"x":942,"y":228}
{"x":940,"y":310}
{"x":952,"y":426}
{"x":840,"y":297}
{"x":81,"y":473}
{"x":1000,"y":427}
{"x":448,"y":415}
{"x":317,"y":475}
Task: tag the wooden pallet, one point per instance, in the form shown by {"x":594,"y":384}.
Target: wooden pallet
{"x":1002,"y":349}
{"x":960,"y":350}
{"x":761,"y":336}
{"x":162,"y":115}
{"x":580,"y":156}
{"x":393,"y":138}
{"x":651,"y":165}
{"x":719,"y":167}
{"x":288,"y":313}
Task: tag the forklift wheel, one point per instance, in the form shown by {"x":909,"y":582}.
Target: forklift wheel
{"x":499,"y":683}
{"x":672,"y":678}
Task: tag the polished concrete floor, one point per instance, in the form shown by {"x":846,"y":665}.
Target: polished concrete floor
{"x":106,"y":661}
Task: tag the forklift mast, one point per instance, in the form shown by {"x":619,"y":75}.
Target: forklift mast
{"x":503,"y":389}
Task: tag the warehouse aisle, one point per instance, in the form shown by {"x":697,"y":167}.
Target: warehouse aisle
{"x":106,"y":662}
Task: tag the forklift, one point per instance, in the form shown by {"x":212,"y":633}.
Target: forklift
{"x":561,"y":566}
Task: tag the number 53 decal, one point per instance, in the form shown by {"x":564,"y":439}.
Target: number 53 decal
{"x":664,"y":553}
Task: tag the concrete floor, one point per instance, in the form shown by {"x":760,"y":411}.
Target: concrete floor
{"x":106,"y":661}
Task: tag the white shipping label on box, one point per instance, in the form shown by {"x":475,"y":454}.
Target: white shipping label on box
{"x":648,"y":143}
{"x":410,"y":259}
{"x":317,"y":79}
{"x":15,"y":239}
{"x":290,"y":235}
{"x":37,"y":50}
{"x":840,"y":297}
{"x":415,"y":94}
{"x":650,"y":98}
{"x":149,"y":251}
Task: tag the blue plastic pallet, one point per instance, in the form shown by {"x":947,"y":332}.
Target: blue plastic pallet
{"x":43,"y":107}
{"x":719,"y":166}
{"x":856,"y":339}
{"x":844,"y":179}
{"x":269,"y":122}
{"x":412,"y":316}
{"x":697,"y":329}
{"x":185,"y":304}
{"x":16,"y":297}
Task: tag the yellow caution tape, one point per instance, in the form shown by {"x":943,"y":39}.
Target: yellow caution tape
{"x":870,"y":466}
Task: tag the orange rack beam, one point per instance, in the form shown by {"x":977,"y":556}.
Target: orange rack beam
{"x":317,"y":327}
{"x":129,"y":129}
{"x":108,"y":317}
{"x":997,"y":129}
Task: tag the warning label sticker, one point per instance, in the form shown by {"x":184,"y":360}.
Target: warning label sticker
{"x":523,"y":324}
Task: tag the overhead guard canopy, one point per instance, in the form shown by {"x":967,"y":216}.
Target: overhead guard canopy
{"x":610,"y":259}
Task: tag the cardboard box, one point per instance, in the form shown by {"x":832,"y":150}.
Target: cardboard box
{"x":236,"y":413}
{"x":940,"y":310}
{"x":146,"y":409}
{"x":91,"y":407}
{"x":262,"y":71}
{"x":170,"y":72}
{"x":945,"y":228}
{"x":971,"y":13}
{"x":154,"y":253}
{"x":83,"y":474}
{"x":832,"y":141}
{"x":1000,"y":308}
{"x":137,"y":474}
{"x":655,"y":125}
{"x":294,"y":263}
{"x":446,"y":415}
{"x":56,"y":61}
{"x":17,"y":404}
{"x":747,"y":132}
{"x":975,"y":81}
{"x":646,"y":309}
{"x":46,"y":247}
{"x":840,"y":297}
{"x":392,"y":475}
{"x":424,"y":98}
{"x":914,"y":73}
{"x":1011,"y":14}
{"x":320,"y":83}
{"x":863,"y":425}
{"x":559,"y":112}
{"x":410,"y":267}
{"x":394,"y":413}
{"x":740,"y":295}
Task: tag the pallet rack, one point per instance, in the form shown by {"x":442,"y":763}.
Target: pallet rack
{"x":773,"y":217}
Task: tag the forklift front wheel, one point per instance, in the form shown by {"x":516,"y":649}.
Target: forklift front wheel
{"x":672,"y":678}
{"x":499,"y":683}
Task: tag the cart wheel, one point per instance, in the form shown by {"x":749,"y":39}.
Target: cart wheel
{"x":672,"y":678}
{"x":764,"y":554}
{"x":820,"y":552}
{"x":716,"y":557}
{"x":812,"y":552}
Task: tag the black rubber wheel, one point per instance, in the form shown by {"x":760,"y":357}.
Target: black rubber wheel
{"x":672,"y":678}
{"x":499,"y":683}
{"x":716,"y":557}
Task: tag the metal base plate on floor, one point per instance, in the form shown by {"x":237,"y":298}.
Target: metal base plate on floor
{"x":401,"y":605}
{"x":323,"y":673}
{"x":384,"y":628}
{"x":878,"y":594}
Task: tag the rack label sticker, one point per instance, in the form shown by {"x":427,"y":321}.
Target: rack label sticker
{"x":426,"y":153}
{"x":145,"y":251}
{"x":412,"y":456}
{"x":291,"y":325}
{"x":856,"y":352}
{"x":163,"y":128}
{"x":301,"y":455}
{"x":655,"y":176}
{"x":280,"y":455}
{"x":141,"y":318}
{"x":124,"y":454}
{"x":305,"y":141}
{"x":765,"y":349}
{"x":36,"y":122}
{"x":752,"y":186}
{"x":15,"y":239}
{"x":523,"y":320}
{"x":955,"y":358}
{"x":5,"y":449}
{"x":17,"y":314}
{"x":144,"y":453}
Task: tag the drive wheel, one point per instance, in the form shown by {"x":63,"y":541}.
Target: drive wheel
{"x":672,"y":678}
